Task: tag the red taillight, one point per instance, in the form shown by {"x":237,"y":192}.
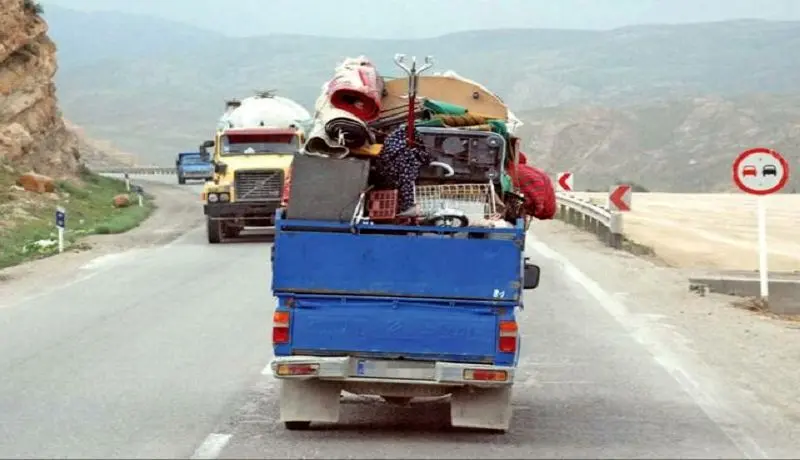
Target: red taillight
{"x":507,"y":341}
{"x":280,"y":327}
{"x":280,"y":335}
{"x":485,"y":375}
{"x":507,"y":344}
{"x":297,"y":369}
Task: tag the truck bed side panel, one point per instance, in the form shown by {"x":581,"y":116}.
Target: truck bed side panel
{"x":394,"y":265}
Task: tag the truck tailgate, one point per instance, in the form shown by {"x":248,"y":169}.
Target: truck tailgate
{"x":409,"y":329}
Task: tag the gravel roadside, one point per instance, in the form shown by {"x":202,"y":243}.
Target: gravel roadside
{"x":744,"y":357}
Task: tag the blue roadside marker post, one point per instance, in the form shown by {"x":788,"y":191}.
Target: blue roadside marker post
{"x":61,"y":219}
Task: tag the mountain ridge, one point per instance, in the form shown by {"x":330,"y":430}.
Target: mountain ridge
{"x":158,"y":96}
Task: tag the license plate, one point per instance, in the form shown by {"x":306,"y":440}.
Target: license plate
{"x":408,"y":370}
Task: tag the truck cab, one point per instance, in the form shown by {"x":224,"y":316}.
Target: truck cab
{"x":191,"y":165}
{"x":250,"y":169}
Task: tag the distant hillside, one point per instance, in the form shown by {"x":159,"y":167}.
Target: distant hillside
{"x":154,"y":87}
{"x":679,"y":145}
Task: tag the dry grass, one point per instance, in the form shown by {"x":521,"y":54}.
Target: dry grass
{"x":28,"y":229}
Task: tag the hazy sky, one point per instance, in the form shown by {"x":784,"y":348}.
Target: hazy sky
{"x":425,"y":18}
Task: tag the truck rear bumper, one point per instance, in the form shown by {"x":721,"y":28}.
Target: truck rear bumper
{"x":316,"y":397}
{"x":197,"y":174}
{"x":364,"y":370}
{"x":262,"y":210}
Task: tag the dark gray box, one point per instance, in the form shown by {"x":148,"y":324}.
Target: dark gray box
{"x":326,"y":188}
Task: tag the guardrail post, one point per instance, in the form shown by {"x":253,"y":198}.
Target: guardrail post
{"x":602,"y":234}
{"x":615,"y":231}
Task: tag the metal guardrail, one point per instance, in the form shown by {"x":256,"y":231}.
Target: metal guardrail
{"x":600,"y":220}
{"x":138,"y":170}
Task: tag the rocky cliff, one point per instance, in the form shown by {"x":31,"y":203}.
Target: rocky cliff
{"x":32,"y":132}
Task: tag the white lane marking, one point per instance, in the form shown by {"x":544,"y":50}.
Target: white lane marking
{"x":97,"y":269}
{"x":722,"y":414}
{"x":108,"y":260}
{"x":52,"y":290}
{"x":212,"y":446}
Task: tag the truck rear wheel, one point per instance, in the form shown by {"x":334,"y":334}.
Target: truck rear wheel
{"x":213,"y":230}
{"x":181,"y":180}
{"x":397,"y":400}
{"x":297,"y":425}
{"x":231,"y":231}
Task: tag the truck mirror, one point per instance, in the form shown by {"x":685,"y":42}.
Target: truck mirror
{"x":530,"y":276}
{"x":220,"y":168}
{"x":208,"y":144}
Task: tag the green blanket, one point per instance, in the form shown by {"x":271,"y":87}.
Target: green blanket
{"x":443,"y":108}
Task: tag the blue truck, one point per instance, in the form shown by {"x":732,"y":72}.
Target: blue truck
{"x":192,"y":165}
{"x":400,"y":312}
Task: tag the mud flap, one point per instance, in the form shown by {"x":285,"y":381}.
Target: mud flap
{"x":310,"y":401}
{"x":484,"y":408}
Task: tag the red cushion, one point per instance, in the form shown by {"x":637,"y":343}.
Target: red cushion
{"x":536,"y":186}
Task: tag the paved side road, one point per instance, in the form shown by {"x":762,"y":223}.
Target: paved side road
{"x":158,"y":353}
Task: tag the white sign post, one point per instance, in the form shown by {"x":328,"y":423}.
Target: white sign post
{"x":127,"y":183}
{"x":61,"y":218}
{"x":139,"y":192}
{"x":763,"y":268}
{"x":761,"y":171}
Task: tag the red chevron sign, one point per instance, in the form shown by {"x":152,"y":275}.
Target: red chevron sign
{"x":565,"y":181}
{"x":620,"y":198}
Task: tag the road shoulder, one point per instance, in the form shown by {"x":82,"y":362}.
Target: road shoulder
{"x":178,"y":211}
{"x":752,"y":354}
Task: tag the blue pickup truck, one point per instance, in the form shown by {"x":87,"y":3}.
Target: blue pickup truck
{"x":191,"y":165}
{"x":400,"y":312}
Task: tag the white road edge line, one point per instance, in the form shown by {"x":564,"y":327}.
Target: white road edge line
{"x":212,"y":446}
{"x":95,"y":271}
{"x":719,"y":412}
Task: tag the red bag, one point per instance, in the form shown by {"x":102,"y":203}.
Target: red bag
{"x":536,"y":186}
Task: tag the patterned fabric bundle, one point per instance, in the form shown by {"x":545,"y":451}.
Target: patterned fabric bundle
{"x":398,"y":165}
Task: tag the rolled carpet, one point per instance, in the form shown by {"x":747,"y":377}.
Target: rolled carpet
{"x":332,"y":124}
{"x":318,"y":142}
{"x":354,"y":133}
{"x":357,"y":88}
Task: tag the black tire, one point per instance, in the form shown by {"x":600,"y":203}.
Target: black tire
{"x":230,"y":231}
{"x":397,"y":400}
{"x":297,"y":425}
{"x":213,"y":230}
{"x":181,"y":180}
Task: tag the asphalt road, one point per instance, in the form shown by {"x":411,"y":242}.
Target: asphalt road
{"x":158,"y":353}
